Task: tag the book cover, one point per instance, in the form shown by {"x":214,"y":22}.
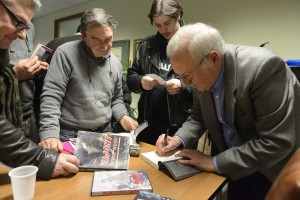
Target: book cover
{"x":145,"y":195}
{"x":69,"y":146}
{"x":177,"y":170}
{"x":153,"y":158}
{"x":42,"y":52}
{"x":120,"y":182}
{"x":102,"y":150}
{"x":170,"y":165}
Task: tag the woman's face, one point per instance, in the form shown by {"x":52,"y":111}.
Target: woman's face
{"x":166,"y":26}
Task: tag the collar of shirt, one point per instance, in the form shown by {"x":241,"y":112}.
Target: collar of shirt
{"x":219,"y":83}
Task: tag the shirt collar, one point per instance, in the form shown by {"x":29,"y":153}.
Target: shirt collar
{"x":219,"y":82}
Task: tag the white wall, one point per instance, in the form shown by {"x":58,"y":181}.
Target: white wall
{"x":250,"y":22}
{"x":240,"y":22}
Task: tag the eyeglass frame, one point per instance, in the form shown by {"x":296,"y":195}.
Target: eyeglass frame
{"x":189,"y":78}
{"x":20,"y":24}
{"x":97,"y":41}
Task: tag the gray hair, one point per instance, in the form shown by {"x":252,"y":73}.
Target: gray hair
{"x":170,"y":8}
{"x":36,"y":4}
{"x":97,"y":17}
{"x":199,"y":39}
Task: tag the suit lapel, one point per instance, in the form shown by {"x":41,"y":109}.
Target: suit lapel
{"x":230,"y":84}
{"x":211,"y":120}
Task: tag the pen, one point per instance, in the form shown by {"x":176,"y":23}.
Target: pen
{"x":166,"y":138}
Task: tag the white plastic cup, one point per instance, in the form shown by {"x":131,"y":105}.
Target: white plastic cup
{"x":23,"y":182}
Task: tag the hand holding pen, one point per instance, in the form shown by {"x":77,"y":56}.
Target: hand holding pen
{"x":166,"y":137}
{"x":165,"y":144}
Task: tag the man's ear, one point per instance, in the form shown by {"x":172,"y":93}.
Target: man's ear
{"x":83,"y":35}
{"x":214,"y":56}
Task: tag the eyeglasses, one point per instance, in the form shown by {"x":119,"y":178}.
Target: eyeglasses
{"x":20,"y":25}
{"x":97,"y":41}
{"x":188,"y":79}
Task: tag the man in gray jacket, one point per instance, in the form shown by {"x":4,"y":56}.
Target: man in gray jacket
{"x":83,"y":86}
{"x":248,"y":100}
{"x":15,"y":149}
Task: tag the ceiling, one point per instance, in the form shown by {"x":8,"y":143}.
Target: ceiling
{"x":50,"y":6}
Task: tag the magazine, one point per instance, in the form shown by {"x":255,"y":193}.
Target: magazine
{"x":102,"y":151}
{"x":120,"y":182}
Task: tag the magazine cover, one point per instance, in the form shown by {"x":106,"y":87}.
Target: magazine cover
{"x":120,"y":182}
{"x":102,"y":150}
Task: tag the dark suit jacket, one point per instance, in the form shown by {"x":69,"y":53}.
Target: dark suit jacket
{"x":262,"y":101}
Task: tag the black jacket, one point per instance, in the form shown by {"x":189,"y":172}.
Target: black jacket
{"x":16,"y":150}
{"x":147,"y":62}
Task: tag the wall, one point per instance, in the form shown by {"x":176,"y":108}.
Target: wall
{"x":240,"y":22}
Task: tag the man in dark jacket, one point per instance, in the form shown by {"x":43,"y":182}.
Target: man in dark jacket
{"x":164,"y":105}
{"x":15,"y":149}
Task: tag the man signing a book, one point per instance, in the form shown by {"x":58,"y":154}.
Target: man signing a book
{"x":248,"y":100}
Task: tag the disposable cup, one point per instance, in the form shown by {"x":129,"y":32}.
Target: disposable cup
{"x":23,"y":182}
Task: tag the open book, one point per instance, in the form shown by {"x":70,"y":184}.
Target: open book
{"x":153,"y":158}
{"x":134,"y":146}
{"x":170,"y":165}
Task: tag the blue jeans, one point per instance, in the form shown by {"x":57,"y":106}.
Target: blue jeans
{"x":67,"y":134}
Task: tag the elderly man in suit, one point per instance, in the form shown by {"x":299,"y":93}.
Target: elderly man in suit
{"x":246,"y":97}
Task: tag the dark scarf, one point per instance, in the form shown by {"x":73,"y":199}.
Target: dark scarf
{"x":10,"y":105}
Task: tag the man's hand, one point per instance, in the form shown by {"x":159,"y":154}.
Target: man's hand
{"x":128,"y":123}
{"x":65,"y":165}
{"x":173,"y":86}
{"x":44,"y":66}
{"x":29,"y":67}
{"x":52,"y":143}
{"x":148,"y":83}
{"x":197,"y":159}
{"x":166,"y":148}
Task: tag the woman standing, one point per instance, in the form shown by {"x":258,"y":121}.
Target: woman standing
{"x":165,"y":106}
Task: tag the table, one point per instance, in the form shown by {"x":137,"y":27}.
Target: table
{"x":201,"y":186}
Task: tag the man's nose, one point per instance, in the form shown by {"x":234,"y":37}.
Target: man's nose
{"x":21,"y":34}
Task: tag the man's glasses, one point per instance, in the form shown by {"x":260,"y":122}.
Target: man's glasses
{"x":97,"y":41}
{"x":20,"y":25}
{"x":188,"y":79}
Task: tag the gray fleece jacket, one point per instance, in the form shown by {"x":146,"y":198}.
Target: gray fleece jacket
{"x":80,"y":91}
